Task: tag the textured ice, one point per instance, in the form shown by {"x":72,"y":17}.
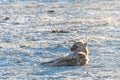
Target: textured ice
{"x":26,"y":39}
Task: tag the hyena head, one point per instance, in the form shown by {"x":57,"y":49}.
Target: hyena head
{"x":79,"y":46}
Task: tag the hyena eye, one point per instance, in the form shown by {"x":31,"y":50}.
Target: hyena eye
{"x":76,"y":46}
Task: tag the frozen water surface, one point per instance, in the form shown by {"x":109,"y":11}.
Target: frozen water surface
{"x":26,"y":38}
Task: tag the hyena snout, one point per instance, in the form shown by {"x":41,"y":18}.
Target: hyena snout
{"x":74,"y":48}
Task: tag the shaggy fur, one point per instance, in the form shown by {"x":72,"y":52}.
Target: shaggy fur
{"x":78,"y":57}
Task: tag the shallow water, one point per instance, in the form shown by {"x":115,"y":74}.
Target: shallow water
{"x":26,"y":39}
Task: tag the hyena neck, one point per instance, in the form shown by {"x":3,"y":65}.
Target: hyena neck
{"x":86,"y":51}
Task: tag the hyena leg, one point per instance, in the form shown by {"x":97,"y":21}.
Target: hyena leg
{"x":52,"y":62}
{"x":66,"y":62}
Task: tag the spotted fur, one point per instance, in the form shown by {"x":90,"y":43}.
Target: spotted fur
{"x":78,"y":57}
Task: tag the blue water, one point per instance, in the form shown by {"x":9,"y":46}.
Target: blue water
{"x":5,"y":1}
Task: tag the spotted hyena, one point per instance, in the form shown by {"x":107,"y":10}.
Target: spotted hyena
{"x":78,"y":56}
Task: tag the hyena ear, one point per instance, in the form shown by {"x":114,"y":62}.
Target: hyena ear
{"x":85,"y":44}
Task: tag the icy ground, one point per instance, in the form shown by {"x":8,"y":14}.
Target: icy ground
{"x":26,"y":39}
